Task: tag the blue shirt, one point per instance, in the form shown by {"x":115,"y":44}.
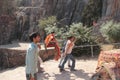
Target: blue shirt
{"x":32,"y":59}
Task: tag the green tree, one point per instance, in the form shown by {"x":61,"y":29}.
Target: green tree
{"x":82,"y":33}
{"x":47,"y":25}
{"x":47,"y":21}
{"x":111,"y":31}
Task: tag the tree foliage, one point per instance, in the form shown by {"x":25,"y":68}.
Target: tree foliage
{"x":82,"y":33}
{"x":84,"y":37}
{"x":45,"y":22}
{"x":111,"y":31}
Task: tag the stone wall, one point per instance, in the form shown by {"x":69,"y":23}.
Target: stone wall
{"x":47,"y":54}
{"x":12,"y":58}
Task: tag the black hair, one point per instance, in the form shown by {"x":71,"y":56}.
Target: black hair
{"x":33,"y":35}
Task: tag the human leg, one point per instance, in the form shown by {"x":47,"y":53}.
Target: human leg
{"x":61,"y":60}
{"x":73,"y":61}
{"x":64,"y":61}
{"x":69,"y":65}
{"x":40,"y":69}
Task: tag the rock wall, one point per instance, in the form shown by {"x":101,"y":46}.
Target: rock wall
{"x":7,"y":28}
{"x":30,"y":11}
{"x":12,"y":58}
{"x":111,"y":9}
{"x":7,"y":21}
{"x":68,"y":11}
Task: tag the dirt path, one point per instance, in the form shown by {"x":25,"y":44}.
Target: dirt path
{"x":85,"y":68}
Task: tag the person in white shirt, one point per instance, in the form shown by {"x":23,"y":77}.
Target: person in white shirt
{"x":67,"y":54}
{"x":62,"y":55}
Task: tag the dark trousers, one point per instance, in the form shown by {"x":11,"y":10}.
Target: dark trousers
{"x":62,"y":59}
{"x":68,"y":56}
{"x":28,"y":76}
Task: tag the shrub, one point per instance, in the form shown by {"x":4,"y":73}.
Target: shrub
{"x":111,"y":31}
{"x":82,"y":33}
{"x":45,"y":22}
{"x":51,"y":28}
{"x":84,"y":37}
{"x":46,"y":25}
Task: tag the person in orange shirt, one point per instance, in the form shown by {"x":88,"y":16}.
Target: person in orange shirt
{"x":50,"y":41}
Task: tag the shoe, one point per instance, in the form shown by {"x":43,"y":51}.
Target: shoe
{"x":73,"y":70}
{"x":61,"y":70}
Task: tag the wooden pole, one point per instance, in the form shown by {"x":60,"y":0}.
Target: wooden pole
{"x":92,"y":51}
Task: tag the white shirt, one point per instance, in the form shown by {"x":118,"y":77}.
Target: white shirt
{"x":70,"y":45}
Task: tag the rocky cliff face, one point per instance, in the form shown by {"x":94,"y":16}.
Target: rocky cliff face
{"x":111,"y":9}
{"x":67,"y":12}
{"x":7,"y":21}
{"x":30,"y":11}
{"x":7,"y":29}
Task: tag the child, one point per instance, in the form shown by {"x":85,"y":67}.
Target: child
{"x":32,"y":57}
{"x":62,"y":56}
{"x":67,"y":54}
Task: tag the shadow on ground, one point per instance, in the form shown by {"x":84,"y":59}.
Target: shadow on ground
{"x":66,"y":75}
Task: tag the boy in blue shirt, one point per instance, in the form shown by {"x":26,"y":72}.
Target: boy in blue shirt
{"x":32,"y":57}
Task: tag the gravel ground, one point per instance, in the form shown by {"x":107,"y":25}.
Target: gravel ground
{"x":85,"y":69}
